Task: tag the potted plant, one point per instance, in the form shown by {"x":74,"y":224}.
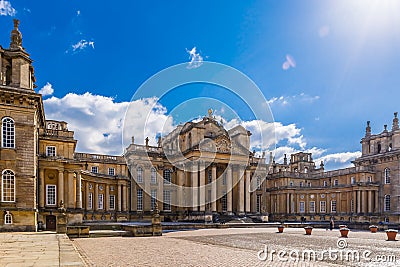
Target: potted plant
{"x":308,"y":230}
{"x":373,"y":228}
{"x":391,"y":234}
{"x":280,"y":228}
{"x":342,"y":226}
{"x":344,"y":231}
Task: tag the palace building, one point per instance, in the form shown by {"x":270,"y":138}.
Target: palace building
{"x":198,"y":170}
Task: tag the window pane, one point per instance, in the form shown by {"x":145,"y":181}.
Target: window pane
{"x":8,"y":133}
{"x":51,"y":195}
{"x":8,"y":186}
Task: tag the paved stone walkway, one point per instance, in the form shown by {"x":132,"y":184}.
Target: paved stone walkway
{"x":37,"y":249}
{"x":239,"y":247}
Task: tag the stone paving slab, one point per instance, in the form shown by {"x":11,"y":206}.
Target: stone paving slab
{"x":233,"y":247}
{"x":37,"y":249}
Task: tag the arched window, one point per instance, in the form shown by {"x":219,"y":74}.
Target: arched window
{"x":167,"y":176}
{"x":305,"y":170}
{"x":7,"y":218}
{"x":8,"y":186}
{"x":153,"y":175}
{"x":387,"y":176}
{"x":387,"y":203}
{"x":139,"y":171}
{"x":8,"y":133}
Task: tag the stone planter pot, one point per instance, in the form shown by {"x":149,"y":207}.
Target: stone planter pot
{"x":373,"y":228}
{"x":344,"y":232}
{"x":308,"y":230}
{"x":342,"y":226}
{"x":280,"y":228}
{"x":391,"y":234}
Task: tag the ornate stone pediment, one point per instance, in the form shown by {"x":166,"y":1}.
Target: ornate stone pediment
{"x":223,"y":144}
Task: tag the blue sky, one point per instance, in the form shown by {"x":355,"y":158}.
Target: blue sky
{"x":325,"y":67}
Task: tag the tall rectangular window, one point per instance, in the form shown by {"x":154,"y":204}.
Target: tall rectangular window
{"x":312,"y":206}
{"x":167,"y":177}
{"x":167,"y":200}
{"x":325,"y":183}
{"x":139,"y":172}
{"x":112,"y":202}
{"x":50,"y":151}
{"x":224,"y":179}
{"x":90,"y":201}
{"x":8,"y":186}
{"x":153,"y":198}
{"x":352,"y":205}
{"x":353,"y":180}
{"x":153,"y":176}
{"x":224,"y":202}
{"x":209,"y":176}
{"x":333,"y":206}
{"x":302,"y":207}
{"x":8,"y":133}
{"x":111,"y":171}
{"x":387,"y":203}
{"x":140,"y":199}
{"x":95,"y":169}
{"x":336,"y":182}
{"x":51,"y":194}
{"x":100,"y":202}
{"x":258,"y":203}
{"x":322,"y":206}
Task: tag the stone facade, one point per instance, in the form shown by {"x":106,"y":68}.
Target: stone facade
{"x":198,"y":170}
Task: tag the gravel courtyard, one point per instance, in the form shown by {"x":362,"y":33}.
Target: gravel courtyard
{"x":242,"y":247}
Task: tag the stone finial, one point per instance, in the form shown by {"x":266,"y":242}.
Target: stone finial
{"x":270,"y":157}
{"x":322,"y":165}
{"x":147,"y":141}
{"x":368,"y":129}
{"x":285,"y":159}
{"x":210,"y":112}
{"x":16,"y":36}
{"x":159,"y":141}
{"x":395,"y":125}
{"x":133,"y":139}
{"x":385,"y":128}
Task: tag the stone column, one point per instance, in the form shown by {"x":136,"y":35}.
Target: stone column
{"x":363,"y":201}
{"x":287,"y":203}
{"x":195,"y":188}
{"x":370,"y":201}
{"x":214,"y":188}
{"x":126,"y":198}
{"x":119,"y":197}
{"x":42,"y":190}
{"x":107,"y":198}
{"x":247,"y":191}
{"x":202,"y":188}
{"x":61,"y":187}
{"x":354,"y":201}
{"x":377,"y":201}
{"x":229,"y":190}
{"x":87,"y":196}
{"x":160,"y":191}
{"x":358,"y":201}
{"x":123,"y":192}
{"x":78,"y":191}
{"x":241,"y":190}
{"x":71,"y":195}
{"x":180,"y":189}
{"x":96,"y":197}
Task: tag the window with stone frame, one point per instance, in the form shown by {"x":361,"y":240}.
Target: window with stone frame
{"x":139,"y":173}
{"x":153,"y":198}
{"x":8,"y":133}
{"x":8,"y":186}
{"x":153,"y":177}
{"x":387,"y":175}
{"x":336,"y":182}
{"x":167,"y":176}
{"x":8,"y":218}
{"x":50,"y":151}
{"x":95,"y":169}
{"x":302,"y":207}
{"x":387,"y":203}
{"x":51,"y":195}
{"x":100,"y":205}
{"x":312,"y":206}
{"x":111,"y":171}
{"x":139,"y":204}
{"x":167,"y":200}
{"x":322,"y":206}
{"x":112,"y":202}
{"x":333,"y":206}
{"x":209,"y":176}
{"x":90,"y":201}
{"x":258,"y":203}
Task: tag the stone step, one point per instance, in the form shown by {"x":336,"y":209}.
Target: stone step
{"x":109,"y":233}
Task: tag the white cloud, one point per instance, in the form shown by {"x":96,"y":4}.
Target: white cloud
{"x":81,"y":45}
{"x":98,"y":121}
{"x":343,"y":158}
{"x":46,"y":90}
{"x":285,"y":100}
{"x":78,"y":12}
{"x":289,"y":63}
{"x":323,"y":31}
{"x":6,"y":9}
{"x":195,"y":59}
